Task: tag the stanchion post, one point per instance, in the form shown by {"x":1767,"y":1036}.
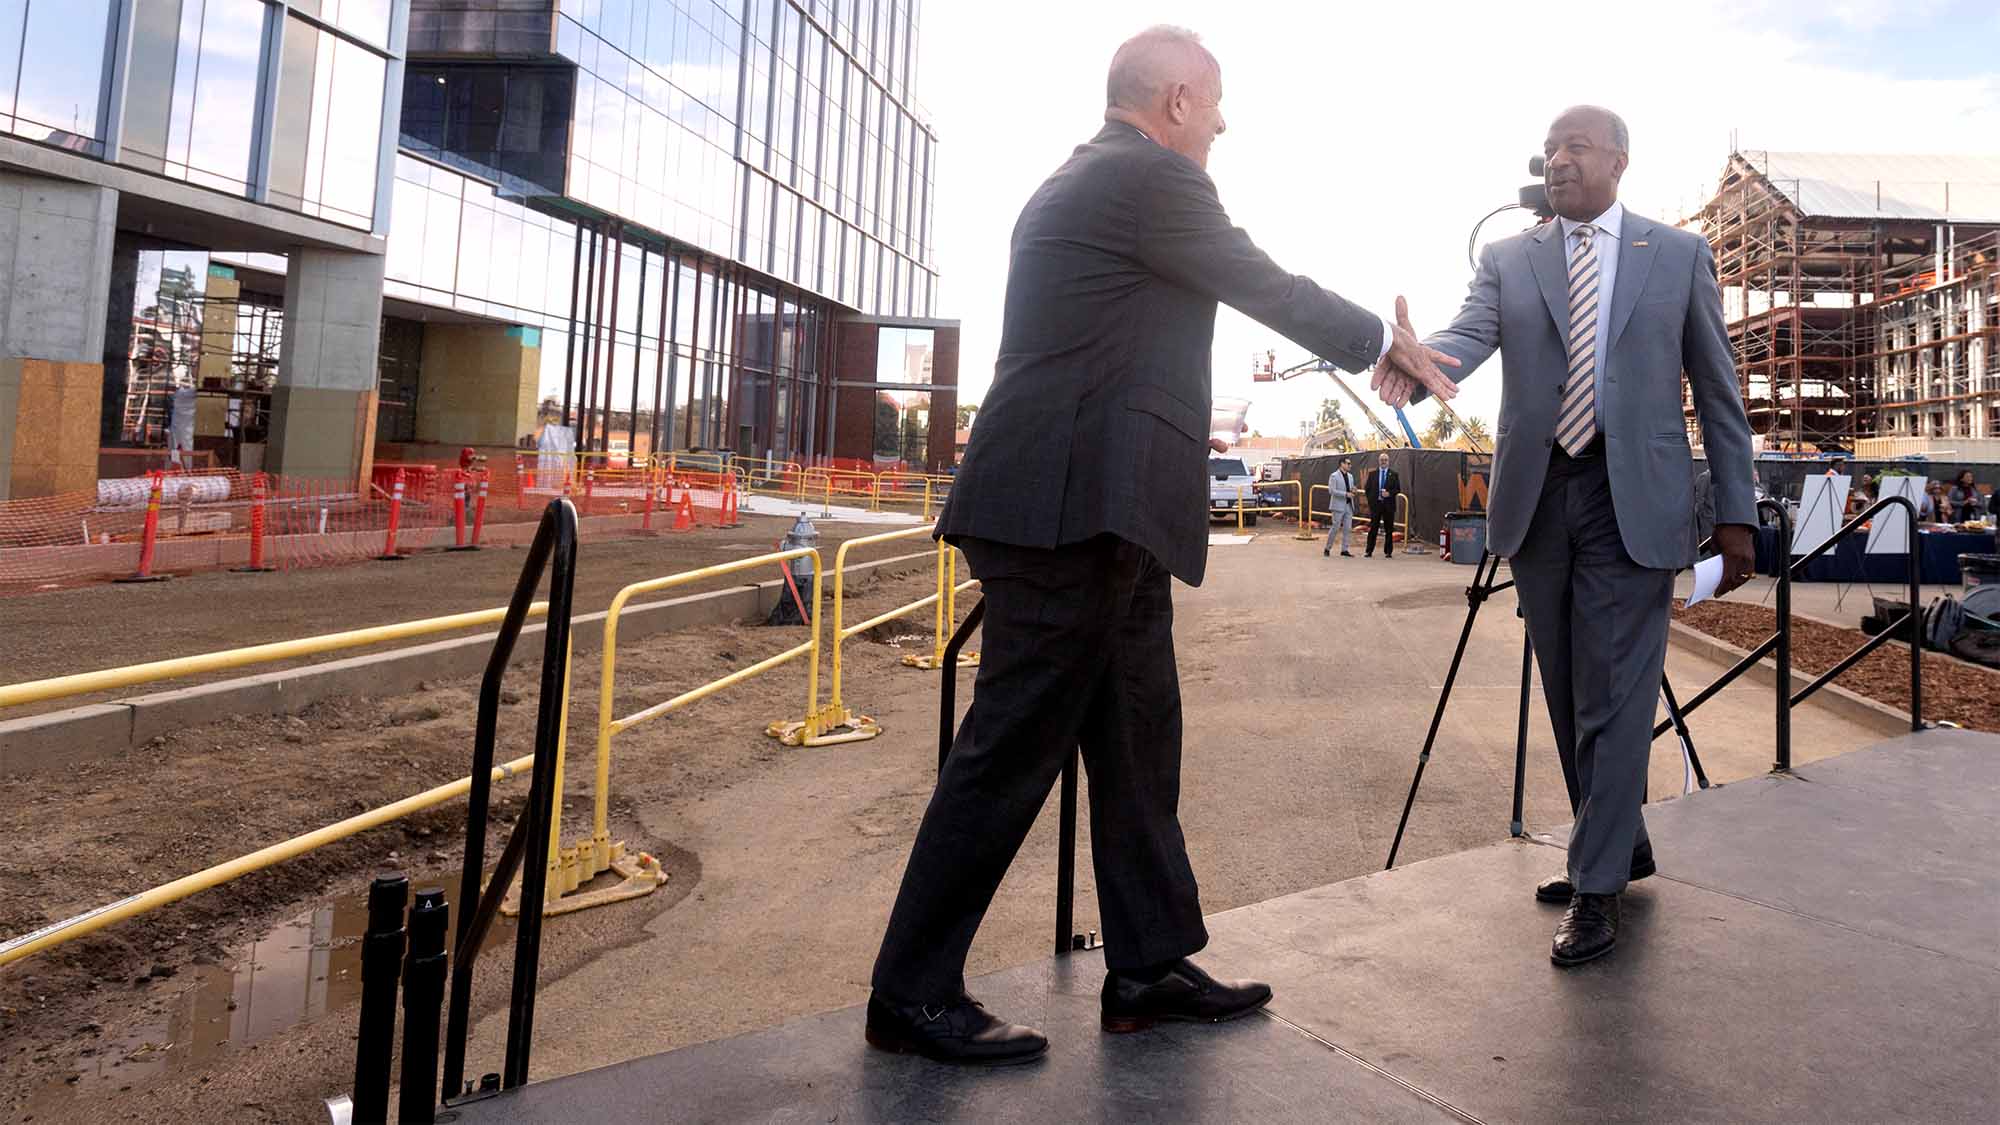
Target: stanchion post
{"x":150,"y":537}
{"x":589,"y":486}
{"x":458,"y":511}
{"x":1516,"y":826}
{"x":381,"y":955}
{"x":1916,"y":619}
{"x":395,"y":519}
{"x":1065,"y":859}
{"x":423,"y":1001}
{"x":259,"y":495}
{"x":1783,"y":559}
{"x":479,"y":510}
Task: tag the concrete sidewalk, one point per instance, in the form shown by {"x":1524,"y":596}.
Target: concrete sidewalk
{"x":1308,"y":684}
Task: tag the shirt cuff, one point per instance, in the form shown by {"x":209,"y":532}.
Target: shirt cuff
{"x":1388,"y":337}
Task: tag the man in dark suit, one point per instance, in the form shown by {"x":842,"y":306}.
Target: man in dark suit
{"x":1382,"y":486}
{"x":1597,"y":315}
{"x":1082,"y":494}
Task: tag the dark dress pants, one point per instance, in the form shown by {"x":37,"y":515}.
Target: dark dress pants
{"x":1382,"y":519}
{"x":1599,"y":625}
{"x":1077,"y":649}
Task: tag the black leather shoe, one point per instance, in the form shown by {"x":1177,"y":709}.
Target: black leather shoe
{"x":1556,"y":888}
{"x":1589,"y":930}
{"x":1185,"y":994}
{"x":1345,"y":555}
{"x":1326,"y":554}
{"x":962,"y":1031}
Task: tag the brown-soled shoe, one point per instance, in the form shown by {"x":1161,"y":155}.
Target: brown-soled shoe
{"x":961,"y":1031}
{"x":1588,"y":930}
{"x":1184,"y":995}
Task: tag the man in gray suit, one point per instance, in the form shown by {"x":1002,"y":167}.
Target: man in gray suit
{"x":1597,"y":314}
{"x":1340,"y":507}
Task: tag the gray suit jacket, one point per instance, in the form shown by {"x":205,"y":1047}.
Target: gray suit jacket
{"x":1666,"y":318}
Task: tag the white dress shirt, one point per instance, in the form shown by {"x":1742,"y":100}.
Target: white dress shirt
{"x":1610,"y":226}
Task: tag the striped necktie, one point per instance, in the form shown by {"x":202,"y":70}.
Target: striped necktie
{"x":1576,"y":425}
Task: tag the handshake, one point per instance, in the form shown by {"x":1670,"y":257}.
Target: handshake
{"x":1408,"y":364}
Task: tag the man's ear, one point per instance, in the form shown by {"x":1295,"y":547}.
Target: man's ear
{"x":1177,"y":104}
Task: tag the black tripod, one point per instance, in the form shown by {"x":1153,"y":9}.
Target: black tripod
{"x":1485,"y":585}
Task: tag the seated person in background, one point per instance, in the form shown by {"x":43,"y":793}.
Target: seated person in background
{"x":1937,"y":507}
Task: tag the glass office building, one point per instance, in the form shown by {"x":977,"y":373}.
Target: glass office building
{"x":666,"y":223}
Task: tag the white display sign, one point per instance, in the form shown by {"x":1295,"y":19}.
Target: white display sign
{"x":1822,"y":502}
{"x":1889,"y":533}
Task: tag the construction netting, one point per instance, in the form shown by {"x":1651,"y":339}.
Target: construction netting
{"x":167,"y":522}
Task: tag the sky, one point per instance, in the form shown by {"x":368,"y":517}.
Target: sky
{"x":1365,"y":140}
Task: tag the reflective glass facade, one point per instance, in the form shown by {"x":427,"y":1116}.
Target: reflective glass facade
{"x":278,"y":102}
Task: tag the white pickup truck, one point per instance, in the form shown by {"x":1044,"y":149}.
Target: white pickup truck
{"x":1229,"y":479}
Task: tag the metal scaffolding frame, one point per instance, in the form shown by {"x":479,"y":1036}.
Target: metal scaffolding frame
{"x":1852,"y":327}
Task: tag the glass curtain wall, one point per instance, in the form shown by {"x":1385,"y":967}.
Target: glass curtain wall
{"x":198,"y":102}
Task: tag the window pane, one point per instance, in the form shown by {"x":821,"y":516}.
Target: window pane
{"x":13,"y":24}
{"x":350,"y":128}
{"x":62,"y":70}
{"x":156,"y":28}
{"x":292,"y":130}
{"x":225,"y":93}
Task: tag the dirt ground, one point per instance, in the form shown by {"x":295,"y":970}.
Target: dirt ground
{"x":782,"y":861}
{"x":1954,"y":690}
{"x":64,"y":631}
{"x":204,"y":795}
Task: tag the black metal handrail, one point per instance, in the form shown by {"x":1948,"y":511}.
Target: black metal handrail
{"x":1066,"y":936}
{"x":1781,"y":640}
{"x":554,"y":549}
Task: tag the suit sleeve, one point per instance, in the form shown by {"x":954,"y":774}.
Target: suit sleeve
{"x":1718,"y":403}
{"x":1187,"y":238}
{"x":1474,"y":334}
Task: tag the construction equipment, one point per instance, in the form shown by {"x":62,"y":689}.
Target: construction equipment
{"x":1264,"y":369}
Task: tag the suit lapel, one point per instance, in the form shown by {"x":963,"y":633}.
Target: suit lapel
{"x":1634,"y":263}
{"x":1552,"y":273}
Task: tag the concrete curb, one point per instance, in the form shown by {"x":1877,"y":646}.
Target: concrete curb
{"x":97,"y":730}
{"x":1839,"y":700}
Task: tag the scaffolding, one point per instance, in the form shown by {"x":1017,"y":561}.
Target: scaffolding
{"x":1858,"y":308}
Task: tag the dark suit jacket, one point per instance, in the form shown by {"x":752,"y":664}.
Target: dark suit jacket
{"x":1098,"y":418}
{"x":1370,"y":484}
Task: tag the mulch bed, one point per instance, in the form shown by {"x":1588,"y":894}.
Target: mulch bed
{"x":1954,"y":690}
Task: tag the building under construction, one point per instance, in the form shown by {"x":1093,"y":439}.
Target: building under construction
{"x":1863,"y":299}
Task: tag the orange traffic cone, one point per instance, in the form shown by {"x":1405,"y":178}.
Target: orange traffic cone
{"x":684,"y":515}
{"x":729,"y":508}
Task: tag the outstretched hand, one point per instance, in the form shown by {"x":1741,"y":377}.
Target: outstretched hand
{"x":1408,"y":364}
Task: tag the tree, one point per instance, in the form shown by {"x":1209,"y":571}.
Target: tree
{"x":965,"y":412}
{"x":1440,"y":431}
{"x":1475,"y":429}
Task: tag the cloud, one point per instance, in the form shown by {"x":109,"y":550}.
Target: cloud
{"x":1364,"y":141}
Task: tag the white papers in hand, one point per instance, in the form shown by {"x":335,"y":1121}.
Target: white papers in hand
{"x":1707,"y":576}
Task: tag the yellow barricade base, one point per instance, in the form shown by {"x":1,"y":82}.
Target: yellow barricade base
{"x":930,"y":662}
{"x":828,"y":728}
{"x":640,"y":875}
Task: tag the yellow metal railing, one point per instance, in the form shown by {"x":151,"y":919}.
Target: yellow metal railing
{"x":1297,"y":506}
{"x":948,"y":589}
{"x":834,"y":723}
{"x":61,"y":687}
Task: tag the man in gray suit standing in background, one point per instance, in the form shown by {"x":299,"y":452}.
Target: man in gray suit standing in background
{"x":1597,"y":314}
{"x":1340,"y":507}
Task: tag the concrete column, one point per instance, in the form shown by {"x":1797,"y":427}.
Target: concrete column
{"x":55,"y":278}
{"x":323,"y":408}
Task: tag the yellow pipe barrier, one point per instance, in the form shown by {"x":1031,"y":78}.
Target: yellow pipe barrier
{"x":93,"y":920}
{"x":913,"y":479}
{"x":110,"y":679}
{"x":949,"y":588}
{"x":814,"y":731}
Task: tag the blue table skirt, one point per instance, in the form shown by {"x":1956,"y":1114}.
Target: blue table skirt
{"x":1937,"y":558}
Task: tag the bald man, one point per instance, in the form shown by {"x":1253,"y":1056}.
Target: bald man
{"x":1082,"y":495}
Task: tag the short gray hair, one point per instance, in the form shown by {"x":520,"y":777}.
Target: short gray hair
{"x":1620,"y":138}
{"x":1147,"y":62}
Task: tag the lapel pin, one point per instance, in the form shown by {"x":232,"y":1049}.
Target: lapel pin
{"x":1641,"y":242}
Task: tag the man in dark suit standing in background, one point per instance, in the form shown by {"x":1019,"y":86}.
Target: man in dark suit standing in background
{"x":1382,"y":486}
{"x":1082,"y":494}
